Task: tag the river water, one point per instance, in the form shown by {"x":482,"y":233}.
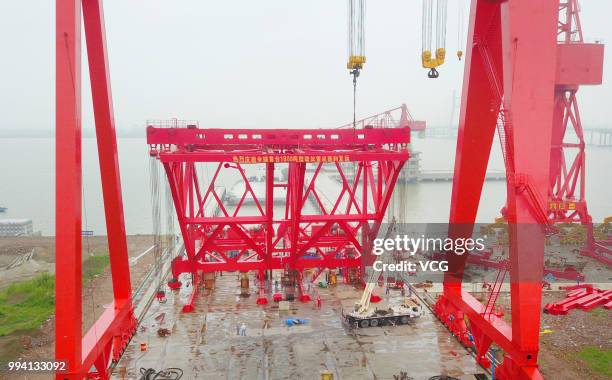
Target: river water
{"x":27,"y":183}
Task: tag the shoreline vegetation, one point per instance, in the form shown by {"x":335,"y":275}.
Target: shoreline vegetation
{"x":26,"y":305}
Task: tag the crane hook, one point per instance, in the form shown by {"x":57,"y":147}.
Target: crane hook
{"x":355,"y":74}
{"x":433,"y":73}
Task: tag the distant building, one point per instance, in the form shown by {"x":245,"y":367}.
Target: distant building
{"x":15,"y":227}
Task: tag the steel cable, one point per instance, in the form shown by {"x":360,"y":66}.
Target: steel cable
{"x":156,"y":216}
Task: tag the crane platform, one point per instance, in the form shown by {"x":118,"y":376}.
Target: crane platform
{"x":205,"y":344}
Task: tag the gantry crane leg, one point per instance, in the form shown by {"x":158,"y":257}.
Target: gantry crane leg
{"x":89,"y":355}
{"x":511,"y":59}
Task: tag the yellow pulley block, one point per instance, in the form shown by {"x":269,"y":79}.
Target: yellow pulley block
{"x":431,"y":63}
{"x":356,"y":62}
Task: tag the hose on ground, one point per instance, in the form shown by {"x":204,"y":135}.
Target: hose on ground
{"x":164,"y":374}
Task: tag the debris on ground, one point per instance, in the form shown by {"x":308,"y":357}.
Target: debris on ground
{"x":294,"y":322}
{"x":164,"y":374}
{"x":426,"y":284}
{"x":163,"y":332}
{"x":160,"y":318}
{"x":584,"y":297}
{"x":402,"y":376}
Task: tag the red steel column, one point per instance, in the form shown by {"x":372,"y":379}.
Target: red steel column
{"x":477,"y":120}
{"x":529,"y":31}
{"x":93,"y":17}
{"x":269,"y":210}
{"x":68,"y":186}
{"x":512,"y":53}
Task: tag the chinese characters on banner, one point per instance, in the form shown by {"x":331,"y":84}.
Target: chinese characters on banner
{"x":278,"y":158}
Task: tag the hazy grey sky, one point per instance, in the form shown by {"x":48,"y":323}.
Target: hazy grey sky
{"x":245,"y":63}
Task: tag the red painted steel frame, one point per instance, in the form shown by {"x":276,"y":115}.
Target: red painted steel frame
{"x":580,"y":63}
{"x":390,"y":118}
{"x":87,"y":356}
{"x":511,"y":69}
{"x":218,"y":238}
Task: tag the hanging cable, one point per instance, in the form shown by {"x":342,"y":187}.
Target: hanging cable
{"x":460,"y":28}
{"x":427,"y":58}
{"x":356,"y":45}
{"x":169,"y":208}
{"x":355,"y":75}
{"x":156,"y":219}
{"x":91,"y":282}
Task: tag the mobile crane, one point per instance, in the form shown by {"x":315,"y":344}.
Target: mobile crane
{"x":363,"y":315}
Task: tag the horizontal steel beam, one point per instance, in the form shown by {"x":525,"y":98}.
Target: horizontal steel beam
{"x":185,"y":266}
{"x":277,"y":137}
{"x":261,"y":157}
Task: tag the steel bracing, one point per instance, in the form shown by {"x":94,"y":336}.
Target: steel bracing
{"x":395,"y":117}
{"x":320,"y":222}
{"x":584,"y":66}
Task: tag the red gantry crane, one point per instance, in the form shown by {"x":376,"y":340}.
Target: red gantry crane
{"x":520,"y":80}
{"x":567,"y":201}
{"x":513,"y":67}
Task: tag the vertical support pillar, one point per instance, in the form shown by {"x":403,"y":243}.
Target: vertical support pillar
{"x":477,"y":121}
{"x":93,"y":20}
{"x":296,"y":174}
{"x":269,"y":230}
{"x":503,"y":39}
{"x":529,"y":96}
{"x":365,"y":226}
{"x":68,"y":306}
{"x":261,"y":299}
{"x":304,"y":296}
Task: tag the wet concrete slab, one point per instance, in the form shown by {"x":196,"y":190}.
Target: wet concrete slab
{"x":205,"y":344}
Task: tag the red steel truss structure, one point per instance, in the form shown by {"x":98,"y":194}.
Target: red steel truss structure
{"x":567,"y":202}
{"x":395,"y":117}
{"x":567,"y":188}
{"x":521,"y":81}
{"x":219,"y":237}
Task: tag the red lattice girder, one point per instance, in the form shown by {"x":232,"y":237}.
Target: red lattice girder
{"x":337,"y":185}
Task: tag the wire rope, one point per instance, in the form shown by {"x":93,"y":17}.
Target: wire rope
{"x":156,"y":217}
{"x":92,"y":288}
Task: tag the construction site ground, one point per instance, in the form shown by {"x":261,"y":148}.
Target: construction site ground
{"x":205,"y":344}
{"x":43,"y":254}
{"x":38,"y":344}
{"x":569,"y":334}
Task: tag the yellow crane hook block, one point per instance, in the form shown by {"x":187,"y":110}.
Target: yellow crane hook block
{"x":427,"y":57}
{"x":356,"y":35}
{"x":431,"y":63}
{"x":356,"y":62}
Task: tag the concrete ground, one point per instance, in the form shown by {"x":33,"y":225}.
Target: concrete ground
{"x":204,"y":344}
